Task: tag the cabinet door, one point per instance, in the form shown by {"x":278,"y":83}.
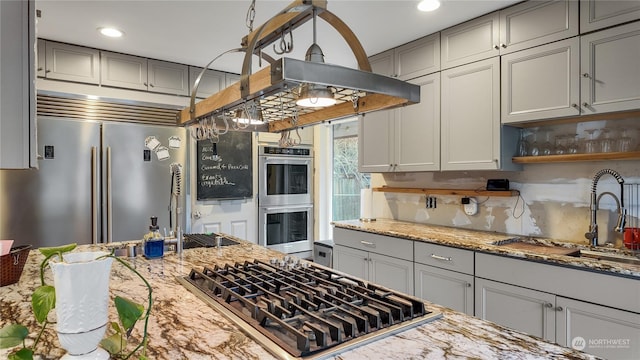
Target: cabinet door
{"x":602,"y":331}
{"x":471,"y":116}
{"x":470,"y":41}
{"x":417,"y":129}
{"x":598,"y":14}
{"x":72,"y":63}
{"x":231,"y":79}
{"x":418,"y":58}
{"x":375,"y":142}
{"x":444,"y":287}
{"x":41,"y":50}
{"x":351,"y":261}
{"x":610,"y":64}
{"x":529,"y":311}
{"x":396,"y":274}
{"x":541,"y":83}
{"x":384,"y":63}
{"x":168,"y":78}
{"x":210,"y":83}
{"x":17,"y":91}
{"x":124,"y":71}
{"x":534,"y":23}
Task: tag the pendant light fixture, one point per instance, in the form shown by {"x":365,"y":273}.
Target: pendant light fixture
{"x":314,"y":95}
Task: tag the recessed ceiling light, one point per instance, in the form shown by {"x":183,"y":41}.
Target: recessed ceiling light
{"x":110,"y":32}
{"x":428,"y":5}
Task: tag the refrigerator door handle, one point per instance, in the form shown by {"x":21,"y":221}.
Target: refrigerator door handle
{"x":94,"y":195}
{"x":109,"y":202}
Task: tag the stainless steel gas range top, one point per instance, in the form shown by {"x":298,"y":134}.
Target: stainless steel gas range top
{"x":298,"y":310}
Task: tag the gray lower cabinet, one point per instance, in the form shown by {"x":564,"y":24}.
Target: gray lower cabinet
{"x":610,"y":71}
{"x":598,"y":330}
{"x":17,"y":90}
{"x":384,"y":260}
{"x":593,"y":312}
{"x":444,"y":287}
{"x":526,"y":310}
{"x":444,"y":275}
{"x":72,"y":63}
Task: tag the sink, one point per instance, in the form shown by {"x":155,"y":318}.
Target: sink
{"x":599,"y":255}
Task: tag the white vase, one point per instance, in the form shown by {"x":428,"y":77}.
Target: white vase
{"x":82,"y":301}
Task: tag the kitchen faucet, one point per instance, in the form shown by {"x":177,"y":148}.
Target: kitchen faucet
{"x":593,"y":227}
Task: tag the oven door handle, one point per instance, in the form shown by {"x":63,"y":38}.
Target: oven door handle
{"x":293,"y":207}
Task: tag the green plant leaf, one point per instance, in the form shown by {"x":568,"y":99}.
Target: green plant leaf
{"x":114,"y":343}
{"x":128,"y":312}
{"x":48,"y":251}
{"x":43,"y":300}
{"x":22,"y":354}
{"x":115,"y":327}
{"x":12,"y":335}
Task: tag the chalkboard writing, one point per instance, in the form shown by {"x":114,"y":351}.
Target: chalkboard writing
{"x":225,"y":168}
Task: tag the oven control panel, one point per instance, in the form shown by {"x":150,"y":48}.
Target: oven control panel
{"x":274,"y":150}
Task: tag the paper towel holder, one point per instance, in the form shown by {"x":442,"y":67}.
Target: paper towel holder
{"x":366,"y":205}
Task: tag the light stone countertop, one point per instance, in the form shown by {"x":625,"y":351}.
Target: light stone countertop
{"x":182,"y":326}
{"x":485,"y":242}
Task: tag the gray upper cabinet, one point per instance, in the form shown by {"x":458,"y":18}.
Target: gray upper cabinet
{"x":542,"y":82}
{"x":168,"y":78}
{"x":126,"y":71}
{"x":411,"y":60}
{"x":610,"y":67}
{"x":472,"y":137}
{"x":598,"y":14}
{"x":534,"y":23}
{"x":471,"y":41}
{"x":72,"y":63}
{"x":210,"y":83}
{"x":42,"y":56}
{"x":17,"y":89}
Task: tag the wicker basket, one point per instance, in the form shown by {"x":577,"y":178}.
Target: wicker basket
{"x":11,"y":265}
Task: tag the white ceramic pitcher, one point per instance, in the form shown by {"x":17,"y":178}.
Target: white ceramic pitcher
{"x":82,"y":301}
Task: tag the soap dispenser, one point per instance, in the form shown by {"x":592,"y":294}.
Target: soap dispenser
{"x":153,"y":241}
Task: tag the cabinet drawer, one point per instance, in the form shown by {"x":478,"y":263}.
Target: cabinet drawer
{"x":385,"y":245}
{"x":444,"y":257}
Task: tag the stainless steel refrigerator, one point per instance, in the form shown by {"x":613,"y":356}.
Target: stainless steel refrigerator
{"x":97,"y":182}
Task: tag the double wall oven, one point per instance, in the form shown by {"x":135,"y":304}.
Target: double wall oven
{"x":285,"y":198}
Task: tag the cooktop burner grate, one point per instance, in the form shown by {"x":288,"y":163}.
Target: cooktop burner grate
{"x":305,"y":309}
{"x":205,"y":240}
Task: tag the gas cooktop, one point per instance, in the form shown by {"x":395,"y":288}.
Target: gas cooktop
{"x":191,"y":241}
{"x":299,"y":310}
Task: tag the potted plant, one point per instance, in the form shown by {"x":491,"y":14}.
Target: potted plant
{"x":81,"y":302}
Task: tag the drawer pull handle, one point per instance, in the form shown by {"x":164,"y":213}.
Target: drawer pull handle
{"x":438,"y":257}
{"x":367,"y":243}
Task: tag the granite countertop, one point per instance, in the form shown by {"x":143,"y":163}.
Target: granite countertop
{"x":182,"y":326}
{"x":488,"y":242}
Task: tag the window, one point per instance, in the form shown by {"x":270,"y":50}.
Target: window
{"x":347,"y":181}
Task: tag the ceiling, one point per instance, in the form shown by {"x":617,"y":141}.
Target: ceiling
{"x":194,"y":32}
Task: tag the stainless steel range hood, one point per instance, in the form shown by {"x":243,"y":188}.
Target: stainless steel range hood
{"x":274,"y":89}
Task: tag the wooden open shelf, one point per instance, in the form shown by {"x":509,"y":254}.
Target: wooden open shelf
{"x":632,"y":155}
{"x":457,"y":192}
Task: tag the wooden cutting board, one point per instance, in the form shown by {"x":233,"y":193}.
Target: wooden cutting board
{"x":544,"y":250}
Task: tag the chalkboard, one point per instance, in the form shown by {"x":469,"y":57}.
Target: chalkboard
{"x":225,"y":169}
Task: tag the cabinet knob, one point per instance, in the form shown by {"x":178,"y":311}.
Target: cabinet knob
{"x":145,"y":84}
{"x":585,"y":104}
{"x":497,"y":47}
{"x":585,"y":75}
{"x":47,"y":71}
{"x":468,"y":284}
{"x":548,"y":305}
{"x":40,"y":69}
{"x":151,"y":85}
{"x":574,"y":105}
{"x":559,"y":308}
{"x":504,"y":46}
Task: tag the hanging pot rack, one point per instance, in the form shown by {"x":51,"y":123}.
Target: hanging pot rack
{"x":274,"y":88}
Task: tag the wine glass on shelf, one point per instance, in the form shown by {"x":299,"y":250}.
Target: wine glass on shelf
{"x":523,"y":144}
{"x":607,"y":142}
{"x":547,"y":147}
{"x":625,"y":141}
{"x":572,"y":144}
{"x":561,"y":144}
{"x":591,"y":144}
{"x":534,"y":149}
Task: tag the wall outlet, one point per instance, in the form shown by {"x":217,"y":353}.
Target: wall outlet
{"x":470,"y":205}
